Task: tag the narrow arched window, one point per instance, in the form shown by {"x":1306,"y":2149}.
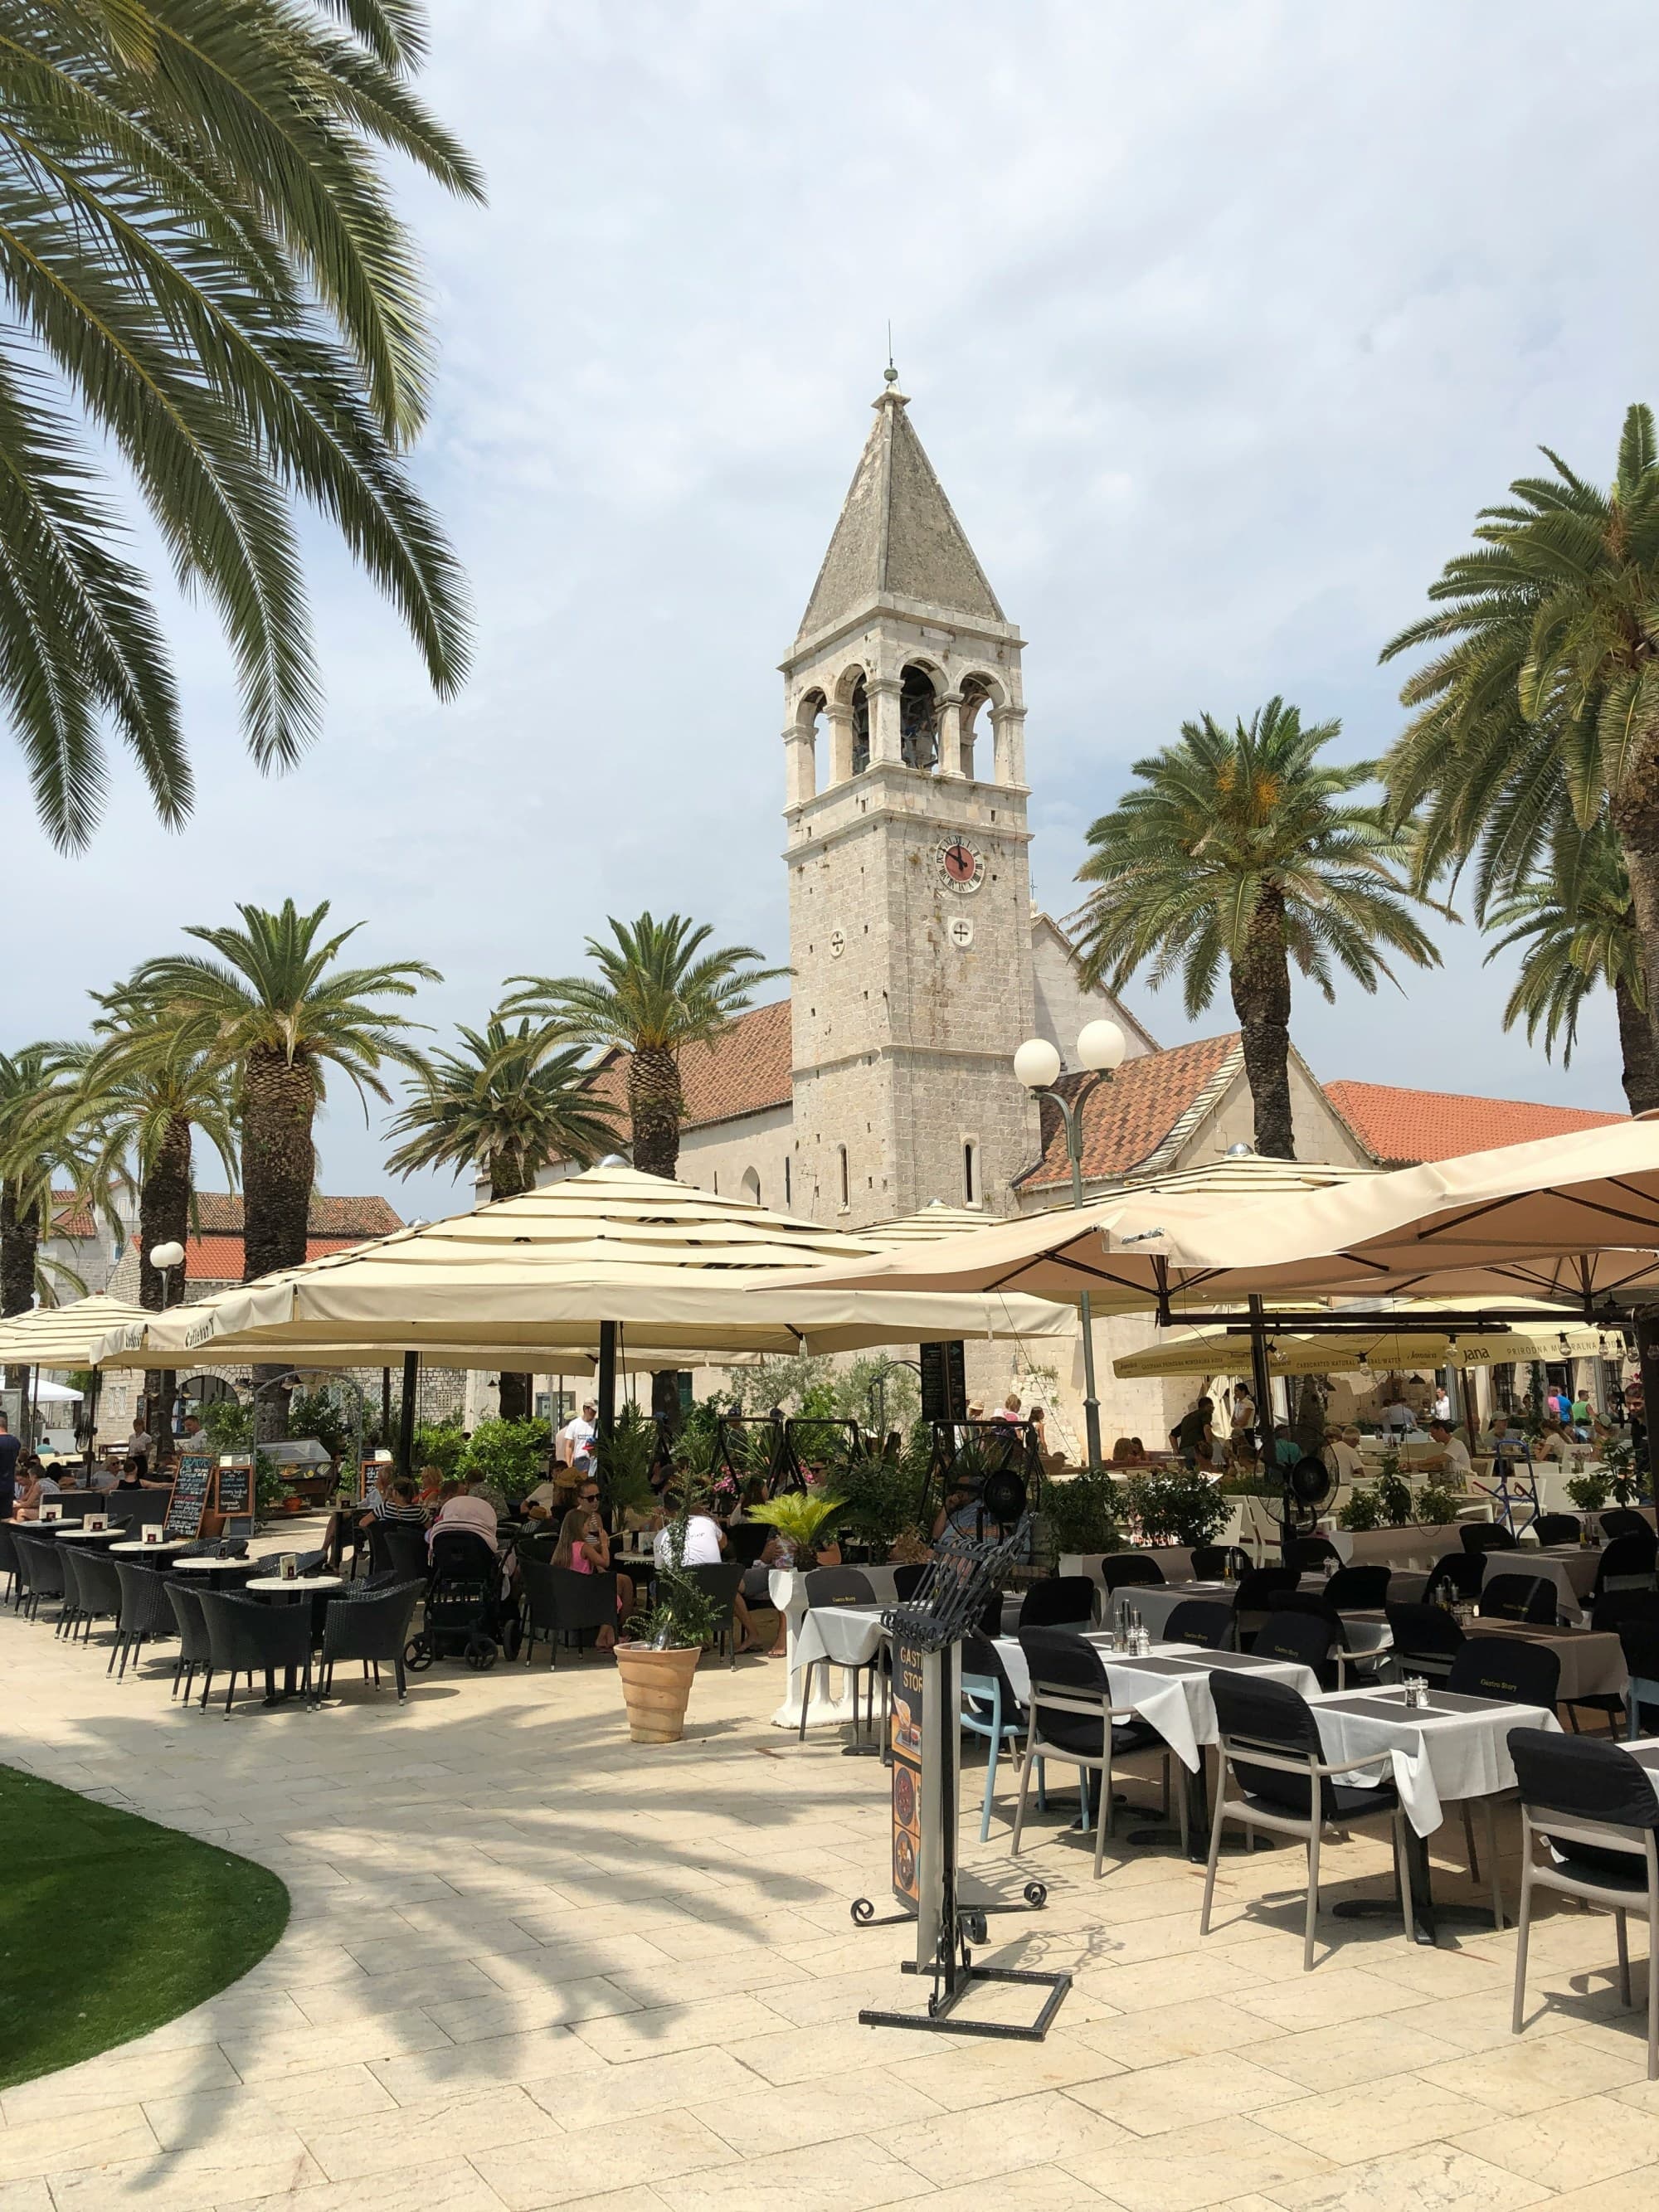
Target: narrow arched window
{"x":970,"y":1176}
{"x":846,"y":1177}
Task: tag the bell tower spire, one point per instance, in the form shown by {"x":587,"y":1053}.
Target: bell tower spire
{"x":909,"y":890}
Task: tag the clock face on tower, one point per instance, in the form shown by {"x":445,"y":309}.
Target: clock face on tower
{"x":961,"y":867}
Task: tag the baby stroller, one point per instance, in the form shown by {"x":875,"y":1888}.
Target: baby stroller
{"x":464,"y":1617}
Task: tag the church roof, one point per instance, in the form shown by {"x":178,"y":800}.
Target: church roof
{"x":746,"y":1071}
{"x":1128,"y":1120}
{"x":1403,"y":1128}
{"x":898,"y":537}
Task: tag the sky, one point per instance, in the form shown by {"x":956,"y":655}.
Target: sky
{"x":1219,"y":323}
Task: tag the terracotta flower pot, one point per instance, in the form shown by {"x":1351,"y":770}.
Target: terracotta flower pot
{"x":656,"y":1687}
{"x":294,"y":1502}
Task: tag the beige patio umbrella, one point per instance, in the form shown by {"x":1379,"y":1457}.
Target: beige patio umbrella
{"x":1402,"y":1340}
{"x":68,"y":1335}
{"x":1565,"y":1218}
{"x":680,"y":1268}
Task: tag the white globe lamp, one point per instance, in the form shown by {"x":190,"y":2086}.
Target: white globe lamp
{"x":1036,"y":1064}
{"x":163,"y":1256}
{"x":1101,"y":1046}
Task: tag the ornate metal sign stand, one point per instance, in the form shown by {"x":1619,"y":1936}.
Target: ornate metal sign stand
{"x":925,"y":1739}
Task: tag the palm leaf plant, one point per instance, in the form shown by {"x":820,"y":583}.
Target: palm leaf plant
{"x":657,"y":991}
{"x":1244,"y":849}
{"x":801,"y":1517}
{"x":1576,"y":923}
{"x":1541,"y":676}
{"x":206,"y":273}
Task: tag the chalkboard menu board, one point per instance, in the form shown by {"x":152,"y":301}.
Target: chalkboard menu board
{"x":943,"y":1381}
{"x":192,"y":1490}
{"x":236,"y":1487}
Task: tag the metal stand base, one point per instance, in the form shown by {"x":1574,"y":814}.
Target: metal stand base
{"x":954,"y":1973}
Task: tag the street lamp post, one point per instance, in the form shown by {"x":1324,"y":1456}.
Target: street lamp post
{"x":166,"y":1260}
{"x":1100,"y":1049}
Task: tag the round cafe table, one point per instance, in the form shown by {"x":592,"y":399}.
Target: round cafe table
{"x":74,"y":1531}
{"x":291,"y":1585}
{"x":162,"y":1550}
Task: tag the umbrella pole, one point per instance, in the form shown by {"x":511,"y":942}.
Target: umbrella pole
{"x":1261,"y":1378}
{"x":406,"y":1414}
{"x":1646,"y":1320}
{"x":607,"y":1379}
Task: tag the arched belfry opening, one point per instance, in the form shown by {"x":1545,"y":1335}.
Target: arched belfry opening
{"x":860,"y":702}
{"x":918,"y":718}
{"x":976,"y":702}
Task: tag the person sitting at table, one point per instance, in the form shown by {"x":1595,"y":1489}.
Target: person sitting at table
{"x":33,"y":1484}
{"x":1341,"y":1453}
{"x":131,"y":1476}
{"x":1554,"y":1443}
{"x":705,"y":1543}
{"x":550,"y":1499}
{"x":495,"y":1499}
{"x":1504,"y":1442}
{"x":1451,"y":1455}
{"x":404,"y":1504}
{"x":960,"y":1516}
{"x":458,"y":1510}
{"x":431,"y":1490}
{"x":584,"y":1547}
{"x":1123,"y":1451}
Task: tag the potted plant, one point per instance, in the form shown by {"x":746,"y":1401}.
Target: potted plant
{"x":1177,"y":1505}
{"x":802,"y":1519}
{"x":660,"y":1656}
{"x":1589,"y":1493}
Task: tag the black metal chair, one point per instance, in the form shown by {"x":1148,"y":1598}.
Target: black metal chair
{"x":1513,"y":1673}
{"x":1062,"y":1601}
{"x":1258,"y":1594}
{"x":1202,"y":1620}
{"x":908,"y":1579}
{"x":1557,"y":1527}
{"x":1457,"y":1578}
{"x":1303,"y":1638}
{"x":194,"y":1648}
{"x":1598,"y":1813}
{"x":1625,"y":1564}
{"x":370,"y":1623}
{"x":557,"y":1602}
{"x":1213,"y":1562}
{"x":1129,"y":1570}
{"x":1625,"y":1521}
{"x":746,"y":1539}
{"x":1638,"y":1639}
{"x":249,"y":1638}
{"x":1426,"y":1639}
{"x":1270,"y":1745}
{"x":720,"y":1582}
{"x":837,"y":1586}
{"x":145,"y":1615}
{"x":69,"y":1613}
{"x":1487,"y":1536}
{"x":1358,"y":1589}
{"x":40,"y":1572}
{"x":1072,"y":1720}
{"x":8,"y":1560}
{"x":101,"y":1588}
{"x":1518,"y":1597}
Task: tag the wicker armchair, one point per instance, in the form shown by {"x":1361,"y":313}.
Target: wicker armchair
{"x":194,"y":1648}
{"x":370,"y":1624}
{"x":41,"y":1572}
{"x":145,"y":1615}
{"x":558,"y":1601}
{"x":101,"y":1588}
{"x":249,"y":1638}
{"x":8,"y":1560}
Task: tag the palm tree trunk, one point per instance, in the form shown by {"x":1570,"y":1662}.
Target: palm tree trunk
{"x":654,"y":1107}
{"x":1641,"y":1050}
{"x":1635,"y":812}
{"x":163,"y":1219}
{"x":20,"y":1238}
{"x":1262,"y":1000}
{"x":507,"y":1179}
{"x":278,"y":1163}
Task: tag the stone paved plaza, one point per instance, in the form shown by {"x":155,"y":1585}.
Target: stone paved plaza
{"x":531,"y":1965}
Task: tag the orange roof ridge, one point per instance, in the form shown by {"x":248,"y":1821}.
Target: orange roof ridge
{"x":1402,"y":1126}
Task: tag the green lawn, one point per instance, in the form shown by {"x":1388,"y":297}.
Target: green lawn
{"x":110,"y":1925}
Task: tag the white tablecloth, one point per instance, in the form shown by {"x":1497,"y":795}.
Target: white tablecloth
{"x":1436,"y":1758}
{"x":1156,"y":1601}
{"x":1571,"y":1569}
{"x":1592,"y":1661}
{"x":1170,"y":1687}
{"x":845,"y":1635}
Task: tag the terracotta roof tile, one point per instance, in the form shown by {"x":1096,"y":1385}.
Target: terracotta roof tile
{"x":747,"y":1070}
{"x":69,"y":1219}
{"x":215,"y":1258}
{"x":1124,"y":1122}
{"x":1402,"y":1127}
{"x":219,"y":1213}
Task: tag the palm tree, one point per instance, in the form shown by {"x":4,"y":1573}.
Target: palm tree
{"x":34,"y":1148}
{"x":1242,"y":846}
{"x":196,"y":237}
{"x":1576,"y":922}
{"x":506,"y":1103}
{"x":1545,"y":634}
{"x":657,"y":991}
{"x":279,"y":1014}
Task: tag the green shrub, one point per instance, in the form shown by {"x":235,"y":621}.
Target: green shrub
{"x":510,"y":1455}
{"x":1438,"y":1504}
{"x":623,"y":1459}
{"x":1393,"y":1493}
{"x":1589,"y":1493}
{"x":1177,"y":1507}
{"x":442,"y":1443}
{"x":227,"y":1424}
{"x":1083,"y":1511}
{"x":316,"y":1414}
{"x":882,"y":1497}
{"x":1359,"y":1511}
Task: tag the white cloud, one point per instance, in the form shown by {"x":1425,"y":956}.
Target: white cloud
{"x":1220,"y":322}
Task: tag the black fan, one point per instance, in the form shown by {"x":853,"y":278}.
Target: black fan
{"x":1308,"y":1489}
{"x":1004,"y":1497}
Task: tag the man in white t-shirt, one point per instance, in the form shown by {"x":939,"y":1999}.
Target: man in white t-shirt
{"x":1452,"y":1455}
{"x":576,"y":1439}
{"x":705,"y":1540}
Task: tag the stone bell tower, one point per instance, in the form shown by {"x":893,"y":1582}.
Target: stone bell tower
{"x":909,"y":890}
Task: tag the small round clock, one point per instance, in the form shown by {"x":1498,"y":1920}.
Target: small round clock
{"x":961,"y":867}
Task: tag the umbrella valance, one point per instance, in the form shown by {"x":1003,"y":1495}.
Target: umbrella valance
{"x":66,"y":1336}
